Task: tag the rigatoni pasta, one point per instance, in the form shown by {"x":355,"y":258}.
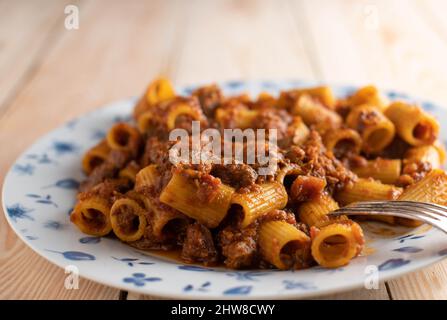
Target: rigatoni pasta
{"x":376,"y":130}
{"x":267,"y":197}
{"x":128,"y":219}
{"x":385,"y":170}
{"x":334,"y":245}
{"x":207,"y":201}
{"x":325,"y":152}
{"x":315,"y":213}
{"x":413,"y":125}
{"x":95,"y":156}
{"x":92,"y":216}
{"x":283,"y":245}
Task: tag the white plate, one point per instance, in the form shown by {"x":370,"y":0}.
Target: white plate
{"x":39,"y":192}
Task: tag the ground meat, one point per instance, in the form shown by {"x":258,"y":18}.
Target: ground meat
{"x":107,"y":189}
{"x":99,"y":174}
{"x":199,"y":245}
{"x":116,"y":161}
{"x":119,"y":158}
{"x":210,"y":97}
{"x":413,"y":172}
{"x":156,"y":151}
{"x":160,"y":115}
{"x":149,"y":241}
{"x":239,"y":246}
{"x":209,"y":187}
{"x":368,"y":118}
{"x":236,"y":175}
{"x":320,"y":163}
{"x":306,"y":188}
{"x":295,"y":154}
{"x":278,"y":215}
{"x":273,"y":119}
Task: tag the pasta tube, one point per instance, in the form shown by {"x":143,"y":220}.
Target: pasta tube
{"x":384,"y":170}
{"x":123,"y":136}
{"x":167,"y":222}
{"x":207,"y":201}
{"x":237,"y":117}
{"x":314,"y":113}
{"x":413,"y":125}
{"x":265,"y":198}
{"x":423,"y":154}
{"x":375,"y":129}
{"x":158,"y":91}
{"x":92,"y":216}
{"x":368,"y":95}
{"x":336,"y":244}
{"x":128,"y":219}
{"x":297,"y":131}
{"x":130,"y":171}
{"x":322,"y":94}
{"x":177,"y":112}
{"x":147,"y":177}
{"x":287,"y":175}
{"x":283,"y":245}
{"x":315,"y":212}
{"x":95,"y":156}
{"x":343,"y":142}
{"x":432,"y":188}
{"x":369,"y":190}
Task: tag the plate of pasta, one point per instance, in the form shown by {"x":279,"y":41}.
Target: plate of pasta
{"x":224,"y":191}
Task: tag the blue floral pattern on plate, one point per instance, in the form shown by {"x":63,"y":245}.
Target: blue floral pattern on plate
{"x":140,"y":279}
{"x":40,"y":191}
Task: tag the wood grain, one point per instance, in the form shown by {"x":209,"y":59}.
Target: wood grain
{"x":427,"y":284}
{"x":227,"y":40}
{"x":25,"y":275}
{"x":27,"y":30}
{"x":359,"y":294}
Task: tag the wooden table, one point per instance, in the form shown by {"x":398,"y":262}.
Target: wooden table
{"x":50,"y":74}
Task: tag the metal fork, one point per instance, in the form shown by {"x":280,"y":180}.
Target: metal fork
{"x":433,"y":214}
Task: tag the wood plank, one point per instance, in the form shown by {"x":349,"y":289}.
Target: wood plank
{"x":385,"y":42}
{"x":137,"y":296}
{"x":108,"y":58}
{"x":227,"y":40}
{"x":427,"y":284}
{"x":359,"y":294}
{"x":27,"y":30}
{"x":28,"y":276}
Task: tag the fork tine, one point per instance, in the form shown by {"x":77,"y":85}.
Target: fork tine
{"x":404,"y":205}
{"x":391,"y":211}
{"x":437,"y":207}
{"x":441,"y":224}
